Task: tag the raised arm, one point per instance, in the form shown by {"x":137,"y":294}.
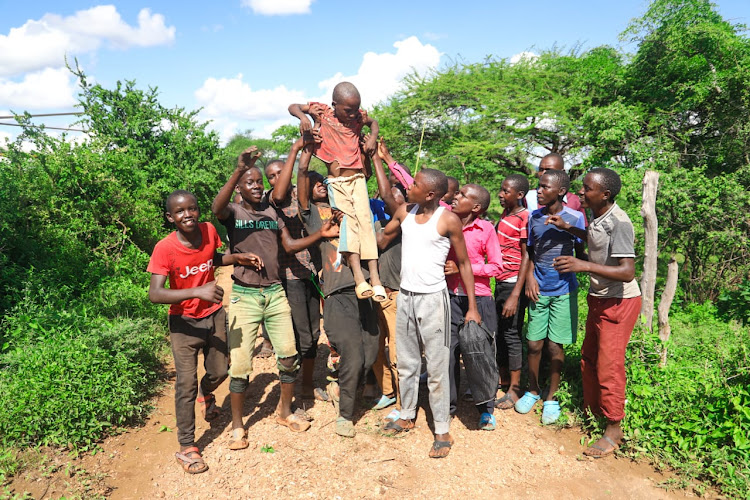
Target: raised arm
{"x":245,"y":161}
{"x":371,"y":142}
{"x":384,"y":185}
{"x":330,"y":229}
{"x":303,"y":180}
{"x":393,"y":228}
{"x":283,"y":183}
{"x":402,"y":176}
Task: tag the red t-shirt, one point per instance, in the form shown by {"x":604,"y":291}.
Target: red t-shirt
{"x":340,"y":140}
{"x":511,"y":229}
{"x":187,"y":268}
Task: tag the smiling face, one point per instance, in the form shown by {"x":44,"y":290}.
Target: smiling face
{"x":346,"y":109}
{"x":593,"y":194}
{"x":509,"y":196}
{"x":183,"y":212}
{"x":250,"y":186}
{"x":549,"y":190}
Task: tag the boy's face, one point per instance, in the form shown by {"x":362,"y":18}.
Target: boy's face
{"x":347,"y":110}
{"x":548,"y":163}
{"x":508,"y":195}
{"x":451,"y":193}
{"x":549,"y":190}
{"x":464,"y":202}
{"x":319,"y":190}
{"x":250,"y":186}
{"x":272,"y":173}
{"x":593,"y":194}
{"x":184,"y":213}
{"x":419,"y":193}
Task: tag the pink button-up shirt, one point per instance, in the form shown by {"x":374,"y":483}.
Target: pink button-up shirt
{"x":485,"y":256}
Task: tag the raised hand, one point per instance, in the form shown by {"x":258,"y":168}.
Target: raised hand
{"x":248,"y":158}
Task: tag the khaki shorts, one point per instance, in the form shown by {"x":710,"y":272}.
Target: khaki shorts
{"x":349,"y":195}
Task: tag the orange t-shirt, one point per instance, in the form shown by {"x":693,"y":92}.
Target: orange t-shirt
{"x":340,"y":141}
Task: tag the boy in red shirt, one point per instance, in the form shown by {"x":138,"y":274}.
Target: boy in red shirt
{"x":197,"y":322}
{"x":338,"y":133}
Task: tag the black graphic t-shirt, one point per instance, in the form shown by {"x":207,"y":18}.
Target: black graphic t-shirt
{"x":257,"y":232}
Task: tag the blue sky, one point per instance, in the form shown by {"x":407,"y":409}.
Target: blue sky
{"x":244,"y":61}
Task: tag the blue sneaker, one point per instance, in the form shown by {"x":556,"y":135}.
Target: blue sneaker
{"x":527,"y":402}
{"x":487,"y":422}
{"x":384,"y":402}
{"x":550,"y":412}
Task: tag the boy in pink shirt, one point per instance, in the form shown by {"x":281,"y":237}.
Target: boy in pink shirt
{"x":337,"y":132}
{"x":486,"y":260}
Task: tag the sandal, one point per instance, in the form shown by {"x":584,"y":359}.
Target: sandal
{"x":378,"y":293}
{"x":526,"y":403}
{"x":487,"y":422}
{"x":437,"y":448}
{"x":293,"y":422}
{"x":393,"y":428}
{"x":208,"y":407}
{"x":191,"y":461}
{"x":238,"y":441}
{"x":363,"y":290}
{"x":506,"y":402}
{"x":550,"y":412}
{"x":604,"y":451}
{"x":384,"y":402}
{"x":345,"y":428}
{"x":321,"y":394}
{"x":265,"y":350}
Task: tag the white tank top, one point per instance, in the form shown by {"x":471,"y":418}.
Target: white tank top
{"x":423,"y":254}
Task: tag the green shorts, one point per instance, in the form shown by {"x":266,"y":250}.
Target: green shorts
{"x":554,"y":318}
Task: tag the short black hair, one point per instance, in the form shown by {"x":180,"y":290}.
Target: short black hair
{"x":481,"y":196}
{"x":558,"y":159}
{"x":519,"y":182}
{"x":345,"y":90}
{"x":453,"y":180}
{"x":437,"y":181}
{"x":272,"y":162}
{"x":609,"y":179}
{"x":560,"y":176}
{"x":178,"y":193}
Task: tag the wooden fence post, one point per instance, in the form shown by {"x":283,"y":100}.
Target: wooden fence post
{"x":651,"y":226}
{"x":666,"y":302}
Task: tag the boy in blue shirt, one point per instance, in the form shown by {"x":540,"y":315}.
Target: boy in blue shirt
{"x":553,"y":307}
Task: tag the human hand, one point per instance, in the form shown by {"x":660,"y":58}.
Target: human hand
{"x":450,"y":268}
{"x":330,"y":228}
{"x":510,"y":308}
{"x":383,"y":152}
{"x":248,"y":158}
{"x":569,"y":264}
{"x":210,"y":292}
{"x":371,"y":144}
{"x":532,"y":289}
{"x":557,"y":221}
{"x":473,"y":315}
{"x":250,"y":260}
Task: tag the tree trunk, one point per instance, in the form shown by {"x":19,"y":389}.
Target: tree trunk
{"x":651,"y":226}
{"x":666,"y":302}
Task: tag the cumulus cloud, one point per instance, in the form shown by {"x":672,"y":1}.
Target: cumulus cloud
{"x":49,"y":88}
{"x":228,"y":100}
{"x":524,"y":56}
{"x":44,"y":43}
{"x":278,"y":7}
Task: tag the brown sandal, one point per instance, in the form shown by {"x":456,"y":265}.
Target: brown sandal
{"x":238,"y":440}
{"x":191,"y":461}
{"x":294,"y":422}
{"x":208,"y":407}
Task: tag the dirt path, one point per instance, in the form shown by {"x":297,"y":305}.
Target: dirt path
{"x":520,"y":459}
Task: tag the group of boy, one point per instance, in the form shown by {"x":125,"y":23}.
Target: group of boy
{"x":428,"y":275}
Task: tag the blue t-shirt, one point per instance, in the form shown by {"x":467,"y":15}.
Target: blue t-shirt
{"x":550,"y":242}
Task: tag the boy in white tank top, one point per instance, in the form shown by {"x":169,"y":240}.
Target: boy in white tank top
{"x":423,"y":310}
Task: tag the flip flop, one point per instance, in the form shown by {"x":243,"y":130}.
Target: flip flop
{"x":437,"y":446}
{"x":187,"y":461}
{"x":363,"y":290}
{"x":506,"y":402}
{"x":393,"y":428}
{"x":604,"y":452}
{"x":384,"y":402}
{"x":238,"y":440}
{"x":293,"y":422}
{"x":550,"y":412}
{"x":378,"y":293}
{"x":526,"y":403}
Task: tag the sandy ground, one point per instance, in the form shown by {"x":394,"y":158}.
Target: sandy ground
{"x":521,"y":459}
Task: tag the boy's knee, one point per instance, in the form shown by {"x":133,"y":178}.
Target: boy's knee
{"x":535,"y":346}
{"x":288,"y":369}
{"x":238,"y":384}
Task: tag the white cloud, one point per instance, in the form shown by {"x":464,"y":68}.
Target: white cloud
{"x":49,"y":88}
{"x":229,"y":102}
{"x":524,"y":56}
{"x":278,"y":7}
{"x":45,"y":42}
